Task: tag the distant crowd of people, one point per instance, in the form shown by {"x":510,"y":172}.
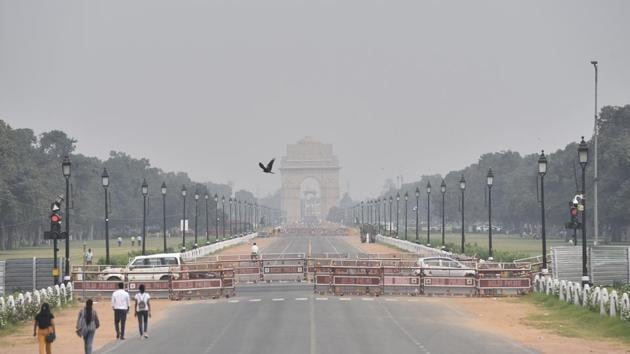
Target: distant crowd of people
{"x":88,"y":321}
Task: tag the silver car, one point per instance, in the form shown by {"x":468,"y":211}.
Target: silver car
{"x":444,"y":267}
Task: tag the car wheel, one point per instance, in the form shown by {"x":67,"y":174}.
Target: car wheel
{"x":114,"y":279}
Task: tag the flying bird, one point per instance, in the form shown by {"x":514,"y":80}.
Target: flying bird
{"x":269,"y":166}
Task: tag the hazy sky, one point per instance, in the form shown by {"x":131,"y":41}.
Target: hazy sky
{"x":398,"y":87}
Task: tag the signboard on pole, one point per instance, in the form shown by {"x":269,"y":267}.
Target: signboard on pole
{"x":183,"y":225}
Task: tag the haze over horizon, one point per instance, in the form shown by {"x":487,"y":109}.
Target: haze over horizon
{"x":405,"y":88}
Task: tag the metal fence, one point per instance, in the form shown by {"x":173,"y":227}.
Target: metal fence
{"x":2,"y":266}
{"x":605,"y":264}
{"x":27,"y":274}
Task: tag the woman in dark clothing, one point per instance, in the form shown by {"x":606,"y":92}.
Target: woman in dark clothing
{"x":87,"y":323}
{"x":42,"y":327}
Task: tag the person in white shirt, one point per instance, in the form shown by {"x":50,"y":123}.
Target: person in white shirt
{"x":143,"y":310}
{"x":120,"y":304}
{"x":254,"y":251}
{"x":88,"y":256}
{"x":119,"y":241}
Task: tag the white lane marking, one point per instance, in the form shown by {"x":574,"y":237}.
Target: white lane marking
{"x":345,"y":299}
{"x":367,"y":299}
{"x":278,"y":299}
{"x":391,"y":300}
{"x":301,"y":298}
{"x":321,"y":298}
{"x":233,"y":301}
{"x":254,"y":300}
{"x":412,"y":300}
{"x":331,"y":245}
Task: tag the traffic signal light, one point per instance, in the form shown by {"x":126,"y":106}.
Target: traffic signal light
{"x":55,"y":221}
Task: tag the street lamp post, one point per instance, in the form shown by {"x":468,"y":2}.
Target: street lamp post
{"x":378,"y":215}
{"x":583,"y":158}
{"x":406,"y":203}
{"x":462,"y":187}
{"x":196,"y":215}
{"x":105,"y":183}
{"x":230,"y":202}
{"x":216,"y":217}
{"x":223,"y":217}
{"x":417,"y":214}
{"x":163,"y":190}
{"x":361,"y":213}
{"x":66,"y":168}
{"x":397,"y":213}
{"x":595,"y":172}
{"x":489,"y":182}
{"x":443,"y":190}
{"x":542,"y":170}
{"x":429,"y":214}
{"x":184,"y":192}
{"x":391,"y":224}
{"x":145,"y":192}
{"x":206,"y":197}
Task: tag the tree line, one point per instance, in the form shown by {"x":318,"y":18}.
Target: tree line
{"x":515,"y":192}
{"x":31,"y":178}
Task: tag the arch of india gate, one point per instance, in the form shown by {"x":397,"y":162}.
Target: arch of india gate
{"x":310,"y":181}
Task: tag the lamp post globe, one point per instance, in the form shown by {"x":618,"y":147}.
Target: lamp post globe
{"x":105,"y":178}
{"x":583,"y":153}
{"x":145,"y":188}
{"x":66,"y":166}
{"x":163,"y":188}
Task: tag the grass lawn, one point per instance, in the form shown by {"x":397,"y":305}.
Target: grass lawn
{"x":500,"y":242}
{"x":98,"y":247}
{"x":573,"y":321}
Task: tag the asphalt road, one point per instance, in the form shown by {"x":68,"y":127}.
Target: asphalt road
{"x":288,"y":318}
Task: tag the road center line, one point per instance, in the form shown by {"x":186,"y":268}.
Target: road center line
{"x":301,"y":298}
{"x":321,"y":298}
{"x":278,"y":299}
{"x":345,"y":299}
{"x":254,"y":300}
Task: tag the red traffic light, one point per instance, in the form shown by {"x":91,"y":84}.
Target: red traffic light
{"x":574,"y":211}
{"x":54,"y":218}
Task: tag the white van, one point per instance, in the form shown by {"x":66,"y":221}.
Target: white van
{"x":151,"y":267}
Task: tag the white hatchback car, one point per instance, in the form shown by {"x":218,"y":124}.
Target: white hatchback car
{"x":444,"y":267}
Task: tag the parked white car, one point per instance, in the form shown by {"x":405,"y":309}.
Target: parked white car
{"x":444,"y":267}
{"x":142,"y":268}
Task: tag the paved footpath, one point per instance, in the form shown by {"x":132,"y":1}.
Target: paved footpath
{"x":289,"y":318}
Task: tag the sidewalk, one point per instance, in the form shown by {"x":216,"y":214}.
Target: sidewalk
{"x":23,"y":342}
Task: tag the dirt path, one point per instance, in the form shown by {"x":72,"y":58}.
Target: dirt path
{"x":23,"y":342}
{"x":508,"y":317}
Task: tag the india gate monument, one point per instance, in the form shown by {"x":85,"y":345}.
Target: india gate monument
{"x":310,"y":181}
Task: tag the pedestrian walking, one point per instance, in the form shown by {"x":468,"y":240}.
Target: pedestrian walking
{"x":133,"y":241}
{"x":139,"y":241}
{"x":87,"y":324}
{"x":120,"y":304}
{"x":88,"y":256}
{"x":119,"y":241}
{"x":44,"y":329}
{"x":143,"y":310}
{"x":254,"y":254}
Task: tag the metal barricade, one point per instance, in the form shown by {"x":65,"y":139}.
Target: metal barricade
{"x":283,"y":267}
{"x":497,"y":279}
{"x":204,"y":281}
{"x":402,"y":278}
